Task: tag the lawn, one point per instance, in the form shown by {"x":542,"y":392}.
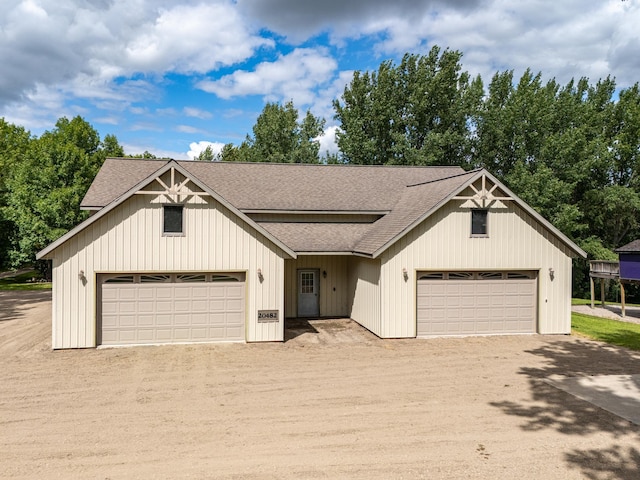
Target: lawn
{"x":624,"y":334}
{"x":586,"y":301}
{"x":24,"y":281}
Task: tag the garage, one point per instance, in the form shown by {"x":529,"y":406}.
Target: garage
{"x":137,"y":309}
{"x":476,"y":303}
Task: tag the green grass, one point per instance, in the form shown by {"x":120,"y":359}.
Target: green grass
{"x":586,"y":301}
{"x":581,"y":301}
{"x":24,"y":281}
{"x":624,"y":334}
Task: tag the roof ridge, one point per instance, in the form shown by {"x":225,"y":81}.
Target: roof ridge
{"x":336,"y":165}
{"x":476,"y":170}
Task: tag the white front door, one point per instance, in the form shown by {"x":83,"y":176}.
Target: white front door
{"x":308,"y":305}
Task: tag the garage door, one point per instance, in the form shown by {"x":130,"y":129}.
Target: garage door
{"x":172,"y":308}
{"x":476,"y":303}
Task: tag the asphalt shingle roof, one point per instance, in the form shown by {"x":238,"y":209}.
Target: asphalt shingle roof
{"x":263,"y":186}
{"x":403,"y":195}
{"x":631,"y":247}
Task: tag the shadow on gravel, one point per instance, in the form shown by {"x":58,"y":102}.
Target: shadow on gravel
{"x":294,"y":327}
{"x":551,"y":408}
{"x":13,"y":303}
{"x":616,"y":462}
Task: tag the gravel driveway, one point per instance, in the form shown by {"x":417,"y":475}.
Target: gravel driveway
{"x":333,"y":401}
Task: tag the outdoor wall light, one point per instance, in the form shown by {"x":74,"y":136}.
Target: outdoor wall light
{"x":552,"y":273}
{"x":260,"y":277}
{"x":324,"y":274}
{"x":81,"y":275}
{"x":405,"y":275}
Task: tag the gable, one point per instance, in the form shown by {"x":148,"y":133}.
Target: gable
{"x":168,"y":184}
{"x":476,"y":189}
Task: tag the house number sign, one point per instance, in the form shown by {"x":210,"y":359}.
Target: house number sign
{"x":267,"y":316}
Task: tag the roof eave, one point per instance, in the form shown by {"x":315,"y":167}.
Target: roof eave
{"x":423,"y":217}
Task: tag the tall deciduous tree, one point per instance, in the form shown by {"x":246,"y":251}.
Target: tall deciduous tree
{"x":14,"y":141}
{"x":49,"y":182}
{"x":420,"y":112}
{"x":279,"y":137}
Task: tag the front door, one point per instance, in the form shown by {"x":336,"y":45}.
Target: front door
{"x":308,"y":305}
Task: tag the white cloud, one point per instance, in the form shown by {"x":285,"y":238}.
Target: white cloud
{"x":82,"y":49}
{"x":198,"y":147}
{"x":139,"y":149}
{"x":566,"y":39}
{"x":197,"y":113}
{"x":290,"y":77}
{"x":328,"y":141}
{"x":193,"y":38}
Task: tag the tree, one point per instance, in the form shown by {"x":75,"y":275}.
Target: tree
{"x":420,"y":112}
{"x":48,"y":183}
{"x":278,"y":137}
{"x":111,"y":147}
{"x":14,"y":141}
{"x":205,"y":155}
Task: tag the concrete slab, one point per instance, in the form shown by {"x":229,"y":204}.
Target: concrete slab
{"x":618,"y":394}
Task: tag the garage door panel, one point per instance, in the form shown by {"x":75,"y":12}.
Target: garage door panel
{"x":180,"y":319}
{"x":148,"y":293}
{"x":124,"y":307}
{"x":145,"y":320}
{"x":145,"y":306}
{"x":168,"y":313}
{"x":476,"y":306}
{"x":109,"y":321}
{"x":200,"y":292}
{"x":163,"y":335}
{"x":199,"y":318}
{"x":145,"y":335}
{"x":218,"y":332}
{"x":199,"y":334}
{"x":234,"y":305}
{"x":200,"y":306}
{"x":216,"y":305}
{"x":234,"y":332}
{"x":127,"y":294}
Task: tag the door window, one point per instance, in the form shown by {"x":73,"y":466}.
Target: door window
{"x":306,"y":282}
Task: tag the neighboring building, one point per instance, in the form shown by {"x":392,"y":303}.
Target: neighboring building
{"x":184,"y":251}
{"x":629,"y":257}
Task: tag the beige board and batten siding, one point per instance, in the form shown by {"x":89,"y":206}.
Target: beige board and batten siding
{"x":333,"y":294}
{"x":443,"y":242}
{"x":215,"y":240}
{"x":365,"y":286}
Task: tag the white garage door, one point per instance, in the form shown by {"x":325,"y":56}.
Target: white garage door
{"x":476,"y":303}
{"x":172,"y":308}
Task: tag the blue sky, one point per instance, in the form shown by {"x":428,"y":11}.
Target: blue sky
{"x":172,"y":77}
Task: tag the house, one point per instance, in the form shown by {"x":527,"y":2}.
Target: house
{"x":185,"y":251}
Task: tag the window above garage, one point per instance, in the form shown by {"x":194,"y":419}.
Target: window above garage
{"x":173,"y":220}
{"x":479,"y":218}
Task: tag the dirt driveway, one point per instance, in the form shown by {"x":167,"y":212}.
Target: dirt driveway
{"x":331,"y":402}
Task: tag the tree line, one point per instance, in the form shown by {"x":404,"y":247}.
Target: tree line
{"x":571,"y":151}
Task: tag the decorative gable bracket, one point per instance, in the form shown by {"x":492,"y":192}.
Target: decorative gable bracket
{"x":484,"y":193}
{"x":176,"y":188}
